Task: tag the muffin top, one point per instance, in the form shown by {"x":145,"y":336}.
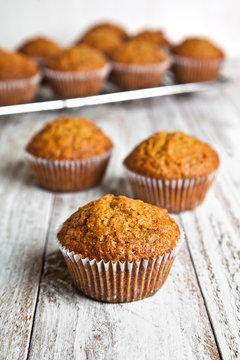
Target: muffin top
{"x":15,"y":66}
{"x":78,"y":58}
{"x":69,"y":139}
{"x":40,"y":47}
{"x":110,"y":27}
{"x":197,"y":48}
{"x":102,"y":39}
{"x":139,"y":52}
{"x":155,"y":36}
{"x":172,"y":156}
{"x":119,"y":229}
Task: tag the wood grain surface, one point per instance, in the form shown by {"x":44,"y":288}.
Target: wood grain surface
{"x":196,"y":315}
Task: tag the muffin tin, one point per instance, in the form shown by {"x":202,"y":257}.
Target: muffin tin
{"x":111,"y":94}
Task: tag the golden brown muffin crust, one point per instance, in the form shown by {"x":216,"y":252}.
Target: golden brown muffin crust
{"x":172,"y":156}
{"x":78,"y":58}
{"x":155,"y":36}
{"x":15,"y":66}
{"x":109,"y":27}
{"x":69,"y":139}
{"x":198,"y":48}
{"x":119,"y":229}
{"x":139,"y":52}
{"x":103,"y":40}
{"x":40,"y":47}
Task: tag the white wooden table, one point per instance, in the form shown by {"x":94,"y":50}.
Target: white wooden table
{"x":196,"y":315}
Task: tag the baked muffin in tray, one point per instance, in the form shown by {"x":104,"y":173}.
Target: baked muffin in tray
{"x":19,"y":78}
{"x":39,"y":49}
{"x":138,"y":64}
{"x":156,"y":36}
{"x":196,"y":59}
{"x":78,"y":71}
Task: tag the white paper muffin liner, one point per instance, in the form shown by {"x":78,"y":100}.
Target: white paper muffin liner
{"x":130,"y":76}
{"x":120,"y":282}
{"x":194,"y":70}
{"x":18,"y":91}
{"x":174,"y":195}
{"x":69,"y":175}
{"x":76,"y":84}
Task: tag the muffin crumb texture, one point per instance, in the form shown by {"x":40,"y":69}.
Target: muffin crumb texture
{"x":138,"y":51}
{"x":40,"y":47}
{"x":172,"y":156}
{"x":102,"y":39}
{"x":69,"y":139}
{"x":15,"y":66}
{"x":79,"y":58}
{"x":119,"y":229}
{"x":198,"y":48}
{"x":154,"y":36}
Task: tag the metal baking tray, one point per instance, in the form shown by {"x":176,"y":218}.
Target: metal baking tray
{"x":110,"y":95}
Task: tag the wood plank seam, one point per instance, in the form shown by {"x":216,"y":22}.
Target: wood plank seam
{"x":201,"y":291}
{"x":42,"y":271}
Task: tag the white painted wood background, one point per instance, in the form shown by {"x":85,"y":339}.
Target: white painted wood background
{"x":196,"y":315}
{"x":65,"y":20}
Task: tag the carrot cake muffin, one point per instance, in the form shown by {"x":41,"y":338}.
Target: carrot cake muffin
{"x":155,"y":36}
{"x":138,"y":64}
{"x":197,"y":59}
{"x":119,"y":233}
{"x":69,"y":154}
{"x":102,"y":39}
{"x":110,"y":27}
{"x":79,"y":71}
{"x":172,"y":170}
{"x":40,"y":49}
{"x":19,"y":78}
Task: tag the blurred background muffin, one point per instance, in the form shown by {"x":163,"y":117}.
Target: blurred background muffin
{"x":111,"y":27}
{"x":39,"y":49}
{"x":156,"y":36}
{"x":102,"y":39}
{"x":196,"y":59}
{"x":69,"y":154}
{"x":138,"y":64}
{"x":172,"y":170}
{"x":116,"y":238}
{"x":19,"y":78}
{"x":78,"y":71}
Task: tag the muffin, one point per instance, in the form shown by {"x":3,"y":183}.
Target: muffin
{"x":111,"y":28}
{"x":102,"y":39}
{"x":155,"y":36}
{"x":79,"y":71}
{"x":138,"y":64}
{"x":172,"y":170}
{"x":40,"y":49}
{"x":195,"y":60}
{"x":69,"y":154}
{"x":119,"y":249}
{"x":19,"y":78}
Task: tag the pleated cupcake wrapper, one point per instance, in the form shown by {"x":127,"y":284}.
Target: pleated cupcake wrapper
{"x":130,"y":76}
{"x":65,"y":175}
{"x":18,"y":91}
{"x":174,"y":195}
{"x":119,"y":282}
{"x":77,"y":84}
{"x":194,"y":70}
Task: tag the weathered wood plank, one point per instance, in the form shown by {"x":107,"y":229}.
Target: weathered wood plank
{"x":213,"y":229}
{"x":24,"y":214}
{"x":171,"y":325}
